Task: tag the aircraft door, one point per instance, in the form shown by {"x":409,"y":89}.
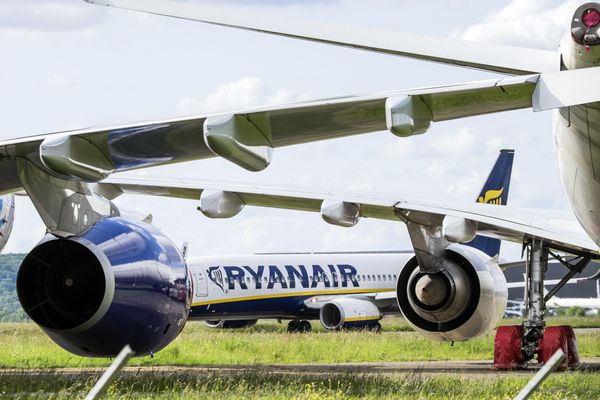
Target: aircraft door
{"x":201,"y":283}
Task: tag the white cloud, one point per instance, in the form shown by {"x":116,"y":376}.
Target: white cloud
{"x":526,"y":23}
{"x":243,"y":93}
{"x":460,"y":142}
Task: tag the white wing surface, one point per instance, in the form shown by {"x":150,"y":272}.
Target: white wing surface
{"x":504,"y":59}
{"x":245,"y":137}
{"x":558,"y":229}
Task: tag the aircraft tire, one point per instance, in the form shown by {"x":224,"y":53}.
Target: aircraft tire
{"x":293,"y":326}
{"x":304,"y":326}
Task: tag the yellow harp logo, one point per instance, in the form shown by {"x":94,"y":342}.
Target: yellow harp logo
{"x":492,"y":197}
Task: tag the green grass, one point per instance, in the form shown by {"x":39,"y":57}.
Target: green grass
{"x":26,"y":346}
{"x":275,"y":386}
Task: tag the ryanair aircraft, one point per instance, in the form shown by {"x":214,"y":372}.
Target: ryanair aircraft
{"x":342,"y":290}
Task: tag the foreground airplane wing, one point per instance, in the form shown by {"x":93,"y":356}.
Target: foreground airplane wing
{"x":505,"y":59}
{"x":247,"y":137}
{"x":558,"y":229}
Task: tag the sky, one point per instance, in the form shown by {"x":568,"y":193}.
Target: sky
{"x":67,"y":64}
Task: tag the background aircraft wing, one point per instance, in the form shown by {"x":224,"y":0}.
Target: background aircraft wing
{"x":558,"y":229}
{"x":380,"y":299}
{"x":498,"y":58}
{"x":240,"y":136}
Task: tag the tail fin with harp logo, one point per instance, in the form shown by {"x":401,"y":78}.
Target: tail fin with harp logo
{"x":495,"y":191}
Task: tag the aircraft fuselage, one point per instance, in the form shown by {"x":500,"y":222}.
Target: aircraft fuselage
{"x":278,"y":285}
{"x":577,"y":130}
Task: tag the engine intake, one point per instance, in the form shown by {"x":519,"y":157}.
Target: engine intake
{"x":464,"y":301}
{"x":118,"y":283}
{"x":349,"y":313}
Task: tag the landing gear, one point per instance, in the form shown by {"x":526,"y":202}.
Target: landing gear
{"x":297,"y":326}
{"x":515,"y":345}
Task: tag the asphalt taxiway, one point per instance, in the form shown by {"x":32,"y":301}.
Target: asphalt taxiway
{"x":473,"y":369}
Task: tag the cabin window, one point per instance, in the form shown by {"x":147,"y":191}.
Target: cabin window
{"x":358,"y":277}
{"x":379,"y":277}
{"x":384,"y":277}
{"x":389,"y":277}
{"x":364,"y":278}
{"x":369,"y":278}
{"x":395,"y":277}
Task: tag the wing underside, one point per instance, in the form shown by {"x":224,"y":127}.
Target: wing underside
{"x":559,"y":230}
{"x":92,"y":154}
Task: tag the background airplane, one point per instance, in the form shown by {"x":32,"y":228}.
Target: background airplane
{"x":342,"y":290}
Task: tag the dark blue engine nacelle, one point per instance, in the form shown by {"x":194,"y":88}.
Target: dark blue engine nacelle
{"x":120,"y":282}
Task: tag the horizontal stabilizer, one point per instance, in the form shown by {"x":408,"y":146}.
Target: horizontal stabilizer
{"x":496,"y":58}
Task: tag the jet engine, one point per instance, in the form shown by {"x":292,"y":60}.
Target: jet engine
{"x":119,"y":282}
{"x":463,"y":302}
{"x":349,"y":313}
{"x":233,"y":324}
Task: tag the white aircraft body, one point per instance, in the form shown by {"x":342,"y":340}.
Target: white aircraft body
{"x":130,"y":284}
{"x":342,"y":290}
{"x":562,"y":302}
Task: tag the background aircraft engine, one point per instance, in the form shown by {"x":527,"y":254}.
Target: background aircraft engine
{"x":120,"y":282}
{"x":233,"y":324}
{"x":463,"y":302}
{"x":349,"y":313}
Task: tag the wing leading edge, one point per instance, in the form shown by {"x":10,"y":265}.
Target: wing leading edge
{"x":241,"y":136}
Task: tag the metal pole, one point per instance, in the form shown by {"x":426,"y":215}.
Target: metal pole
{"x":541,"y":375}
{"x":111,"y":373}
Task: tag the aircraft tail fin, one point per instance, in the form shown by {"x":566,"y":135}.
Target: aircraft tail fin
{"x":495,"y":191}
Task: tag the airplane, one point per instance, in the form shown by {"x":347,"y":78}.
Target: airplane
{"x":554,"y":302}
{"x":343,"y":290}
{"x":99,"y":280}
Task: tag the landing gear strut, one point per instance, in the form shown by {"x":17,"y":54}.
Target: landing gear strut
{"x":515,"y":345}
